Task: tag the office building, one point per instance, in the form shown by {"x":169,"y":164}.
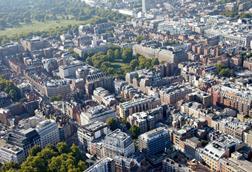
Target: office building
{"x":171,"y":55}
{"x":96,"y":113}
{"x":97,"y":79}
{"x":69,"y":70}
{"x":103,"y":165}
{"x":138,"y":105}
{"x":154,"y":141}
{"x":103,"y":96}
{"x":57,"y":88}
{"x":118,"y":143}
{"x":24,"y":139}
{"x":90,"y":133}
{"x":221,"y":147}
{"x":11,"y":153}
{"x":124,"y":164}
{"x":49,"y":132}
{"x":146,"y":120}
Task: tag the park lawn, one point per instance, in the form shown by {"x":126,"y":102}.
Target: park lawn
{"x":36,"y":26}
{"x":120,"y":65}
{"x":121,"y":68}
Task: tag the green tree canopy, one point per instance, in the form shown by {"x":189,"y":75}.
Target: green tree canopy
{"x":112,"y":123}
{"x":50,"y":159}
{"x":127,"y":54}
{"x":9,"y":87}
{"x":135,"y":131}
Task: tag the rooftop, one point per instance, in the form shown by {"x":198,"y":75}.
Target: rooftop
{"x":118,"y":134}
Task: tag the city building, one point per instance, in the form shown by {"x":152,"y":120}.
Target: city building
{"x":146,"y":5}
{"x":220,"y":148}
{"x":69,"y":70}
{"x":173,"y":94}
{"x":171,"y":55}
{"x":24,"y":139}
{"x":96,"y":113}
{"x":202,"y":97}
{"x":35,"y":43}
{"x":91,"y":132}
{"x":103,"y":165}
{"x":57,"y":88}
{"x":102,"y":96}
{"x":148,"y":80}
{"x":229,"y":95}
{"x":118,"y":143}
{"x":98,"y":79}
{"x":125,"y":164}
{"x":247,"y":137}
{"x":235,"y":164}
{"x":234,"y":128}
{"x":49,"y":133}
{"x":5,"y":116}
{"x":11,"y":153}
{"x":10,"y":49}
{"x":146,"y":120}
{"x":169,"y":165}
{"x":5,"y":99}
{"x":154,"y":141}
{"x":138,"y":105}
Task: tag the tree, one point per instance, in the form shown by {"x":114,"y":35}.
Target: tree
{"x":47,"y":153}
{"x":148,"y":63}
{"x":82,"y":165}
{"x":139,"y":38}
{"x":75,"y":152}
{"x":105,"y":65}
{"x":55,"y":163}
{"x":142,"y":62}
{"x":50,"y":160}
{"x":245,"y":15}
{"x":62,"y":147}
{"x":127,"y":54}
{"x":27,"y":169}
{"x":110,"y":54}
{"x":225,"y":72}
{"x":112,"y":123}
{"x":117,"y":54}
{"x":39,"y":163}
{"x":8,"y":87}
{"x":33,"y":151}
{"x":9,"y":166}
{"x":154,"y":62}
{"x":89,"y":61}
{"x":133,"y":64}
{"x":135,"y":131}
{"x":219,"y":67}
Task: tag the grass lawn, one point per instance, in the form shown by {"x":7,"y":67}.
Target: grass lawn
{"x":39,"y":27}
{"x":118,"y":65}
